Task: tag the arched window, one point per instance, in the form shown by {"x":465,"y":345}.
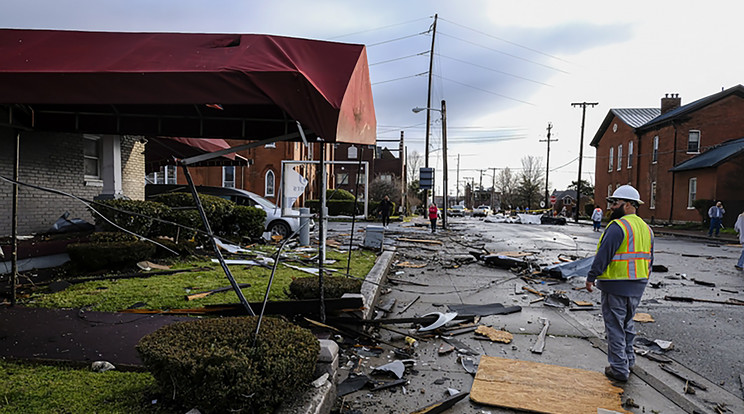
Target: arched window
{"x":269,"y":184}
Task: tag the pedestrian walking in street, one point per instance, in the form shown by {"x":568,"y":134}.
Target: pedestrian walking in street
{"x":715,"y":213}
{"x":620,"y":270}
{"x":433,"y":213}
{"x":385,"y":207}
{"x":739,"y":226}
{"x":597,"y":218}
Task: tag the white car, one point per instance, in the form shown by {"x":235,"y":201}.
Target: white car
{"x":275,"y":223}
{"x":481,"y":211}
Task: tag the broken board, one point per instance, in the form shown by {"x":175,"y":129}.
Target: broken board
{"x":543,"y":388}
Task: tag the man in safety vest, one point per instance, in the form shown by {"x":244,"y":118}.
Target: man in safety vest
{"x":621,"y":269}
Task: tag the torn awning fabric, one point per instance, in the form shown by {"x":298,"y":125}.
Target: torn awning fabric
{"x":160,"y":151}
{"x":239,"y":86}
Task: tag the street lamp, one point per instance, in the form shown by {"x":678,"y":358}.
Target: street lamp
{"x":443,"y":111}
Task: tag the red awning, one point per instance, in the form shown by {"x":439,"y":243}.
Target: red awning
{"x":160,"y":151}
{"x":240,"y":86}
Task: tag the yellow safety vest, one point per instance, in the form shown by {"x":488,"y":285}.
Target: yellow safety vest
{"x":633,"y":258}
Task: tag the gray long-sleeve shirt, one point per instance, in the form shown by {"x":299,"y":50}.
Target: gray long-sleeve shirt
{"x":611,"y":241}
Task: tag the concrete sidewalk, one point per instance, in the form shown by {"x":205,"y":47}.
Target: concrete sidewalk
{"x":569,"y":344}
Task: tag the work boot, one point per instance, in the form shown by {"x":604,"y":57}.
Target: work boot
{"x":737,"y":267}
{"x":611,"y":374}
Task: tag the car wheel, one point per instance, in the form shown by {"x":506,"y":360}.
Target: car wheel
{"x":280,"y":228}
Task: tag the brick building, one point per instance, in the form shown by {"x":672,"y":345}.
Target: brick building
{"x":383,"y":164}
{"x":88,"y":166}
{"x":675,"y":154}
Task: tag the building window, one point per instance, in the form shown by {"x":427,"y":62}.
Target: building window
{"x":342,"y":178}
{"x":165,"y":175}
{"x":269,"y":186}
{"x":228,"y":177}
{"x":630,"y":154}
{"x":693,"y":142}
{"x":655,"y":155}
{"x":609,"y":194}
{"x":619,"y":157}
{"x":386,"y":177}
{"x":652,"y":202}
{"x":352,"y":153}
{"x":691,"y":193}
{"x":612,"y":157}
{"x":92,"y":156}
{"x":271,"y":145}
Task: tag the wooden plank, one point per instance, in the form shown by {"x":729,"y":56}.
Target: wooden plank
{"x":543,"y":388}
{"x":540,"y":344}
{"x":425,"y":241}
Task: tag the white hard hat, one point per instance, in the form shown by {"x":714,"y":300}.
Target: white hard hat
{"x":626,"y":192}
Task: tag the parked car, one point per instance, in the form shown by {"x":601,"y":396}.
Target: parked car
{"x":481,"y":211}
{"x":275,"y":223}
{"x":456,"y":211}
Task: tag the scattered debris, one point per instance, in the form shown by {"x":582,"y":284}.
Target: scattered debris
{"x":681,"y":376}
{"x":441,"y":406}
{"x":409,"y":305}
{"x":484,"y":310}
{"x":643,"y":317}
{"x":730,"y":301}
{"x":204,"y":294}
{"x":410,"y":265}
{"x":397,"y":368}
{"x":582,"y":303}
{"x":659,"y":268}
{"x":425,"y":241}
{"x":653,"y":356}
{"x":387,"y":305}
{"x":557,"y":300}
{"x":702,"y":282}
{"x":405,"y":282}
{"x":381,"y":385}
{"x":468,"y":364}
{"x":568,"y":270}
{"x":505,"y":262}
{"x":729,"y":290}
{"x":101,"y":366}
{"x":630,"y":403}
{"x":442,"y":319}
{"x":495,"y":335}
{"x":688,"y":388}
{"x":540,"y":344}
{"x":459,"y":346}
{"x":320,"y":380}
{"x":560,"y":389}
{"x":529,"y":289}
{"x":445,"y":348}
{"x":147,"y":266}
{"x":352,"y":384}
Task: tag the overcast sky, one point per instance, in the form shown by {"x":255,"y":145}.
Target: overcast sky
{"x":506,"y":69}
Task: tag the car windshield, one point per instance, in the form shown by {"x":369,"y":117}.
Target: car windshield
{"x":266,"y":204}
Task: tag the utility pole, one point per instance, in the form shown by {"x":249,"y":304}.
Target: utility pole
{"x":428,"y":105}
{"x":547,"y":165}
{"x":403,"y":173}
{"x":444,"y":163}
{"x":457,"y":187}
{"x":493,"y":188}
{"x":583,"y":106}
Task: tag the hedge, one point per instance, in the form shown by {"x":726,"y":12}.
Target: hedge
{"x":99,"y":255}
{"x":211,"y":364}
{"x":333,"y":287}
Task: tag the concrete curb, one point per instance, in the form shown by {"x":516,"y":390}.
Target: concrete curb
{"x":320,"y":400}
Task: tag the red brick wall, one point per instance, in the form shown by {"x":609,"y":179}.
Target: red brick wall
{"x":625,"y":175}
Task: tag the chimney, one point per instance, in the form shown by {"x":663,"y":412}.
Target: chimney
{"x":669,"y":102}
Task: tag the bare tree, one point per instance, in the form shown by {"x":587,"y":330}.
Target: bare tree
{"x":531,"y":180}
{"x":413,"y":163}
{"x":506,"y":182}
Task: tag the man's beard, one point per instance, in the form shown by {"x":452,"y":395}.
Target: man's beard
{"x":617,"y":212}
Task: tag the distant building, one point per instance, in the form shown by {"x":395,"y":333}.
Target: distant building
{"x":675,"y":154}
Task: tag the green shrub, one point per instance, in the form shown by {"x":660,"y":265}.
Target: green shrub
{"x":245,"y":222}
{"x":333,"y":287}
{"x":212,"y":364}
{"x":188,"y":218}
{"x":112,"y":236}
{"x":217,"y":209}
{"x":336,"y":207}
{"x":338,"y":194}
{"x":183,"y":248}
{"x":144,"y":226}
{"x":92,"y":256}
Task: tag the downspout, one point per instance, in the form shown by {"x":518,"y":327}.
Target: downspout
{"x":674,"y":175}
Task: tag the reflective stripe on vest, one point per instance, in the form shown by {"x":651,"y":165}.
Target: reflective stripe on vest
{"x":632,"y":259}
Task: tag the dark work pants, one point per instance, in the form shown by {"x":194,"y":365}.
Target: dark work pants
{"x":618,"y":312}
{"x":385,"y":218}
{"x":433,"y":225}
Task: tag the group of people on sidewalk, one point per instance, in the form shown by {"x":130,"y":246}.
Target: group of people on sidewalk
{"x":715,"y":213}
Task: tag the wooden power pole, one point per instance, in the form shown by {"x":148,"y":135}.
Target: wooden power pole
{"x":547,"y":165}
{"x":583,"y":106}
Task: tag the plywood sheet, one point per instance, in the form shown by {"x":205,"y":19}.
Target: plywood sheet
{"x":543,"y":388}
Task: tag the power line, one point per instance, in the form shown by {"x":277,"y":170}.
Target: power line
{"x":397,"y":79}
{"x":396,"y":39}
{"x":493,"y":70}
{"x":504,"y":53}
{"x":381,"y":28}
{"x":507,"y":41}
{"x":486,"y":91}
{"x":397,"y":59}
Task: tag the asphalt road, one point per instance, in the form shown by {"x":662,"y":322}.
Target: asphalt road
{"x":706,"y":336}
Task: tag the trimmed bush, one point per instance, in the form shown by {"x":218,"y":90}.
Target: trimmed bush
{"x":217,"y":209}
{"x":144,"y":226}
{"x":338,"y":194}
{"x":112,"y":236}
{"x":93,"y":256}
{"x":212,"y":364}
{"x":337,"y":207}
{"x":333,"y":286}
{"x":246,"y":222}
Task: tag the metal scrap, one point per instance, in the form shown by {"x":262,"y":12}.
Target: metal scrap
{"x":396,"y":368}
{"x":442,"y":319}
{"x":442,"y":405}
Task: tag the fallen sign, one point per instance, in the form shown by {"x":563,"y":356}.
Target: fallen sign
{"x":514,"y":384}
